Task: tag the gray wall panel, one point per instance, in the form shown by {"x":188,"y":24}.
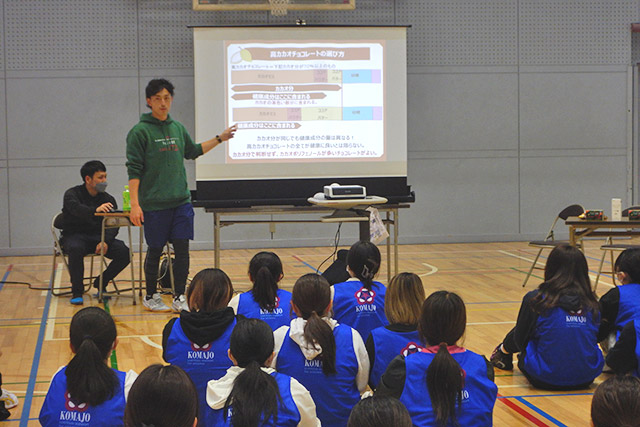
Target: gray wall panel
{"x":4,"y":208}
{"x":575,"y":32}
{"x":573,"y":110}
{"x":70,"y":34}
{"x":463,"y":198}
{"x":460,"y":32}
{"x":463,"y":111}
{"x":70,"y":118}
{"x":3,"y":120}
{"x":549,"y":184}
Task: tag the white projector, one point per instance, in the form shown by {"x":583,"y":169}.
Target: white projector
{"x":337,"y":191}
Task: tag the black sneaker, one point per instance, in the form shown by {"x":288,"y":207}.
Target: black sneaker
{"x":501,"y":360}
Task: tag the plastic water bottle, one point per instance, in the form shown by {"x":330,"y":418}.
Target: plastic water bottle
{"x":126,"y":201}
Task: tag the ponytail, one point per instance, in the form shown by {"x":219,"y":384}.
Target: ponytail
{"x":255,"y":396}
{"x":89,"y":380}
{"x":312,"y":295}
{"x":317,"y":331}
{"x":445,"y":382}
{"x":265,"y":269}
{"x":363,"y":260}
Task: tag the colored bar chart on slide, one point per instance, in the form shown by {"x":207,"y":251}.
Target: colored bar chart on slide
{"x":306,"y":101}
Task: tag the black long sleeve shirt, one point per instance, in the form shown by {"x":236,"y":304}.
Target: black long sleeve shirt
{"x":79,"y":208}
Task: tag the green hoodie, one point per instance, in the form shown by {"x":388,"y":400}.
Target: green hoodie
{"x":155,"y":153}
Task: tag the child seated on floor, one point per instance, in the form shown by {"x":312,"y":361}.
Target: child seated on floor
{"x":359,"y":302}
{"x":250,"y":393}
{"x":402,"y":307}
{"x":198,"y":340}
{"x":443,"y":384}
{"x":265,"y":301}
{"x":328,"y":358}
{"x":622,"y":303}
{"x":556,"y":331}
{"x":87,"y":389}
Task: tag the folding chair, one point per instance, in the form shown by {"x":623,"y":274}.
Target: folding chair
{"x":549,"y":241}
{"x":56,"y":228}
{"x":611,"y":247}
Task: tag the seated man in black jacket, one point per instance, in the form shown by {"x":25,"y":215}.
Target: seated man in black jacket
{"x":81,"y":228}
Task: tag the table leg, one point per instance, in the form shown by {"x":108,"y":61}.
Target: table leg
{"x":216,"y":240}
{"x":133,"y":269}
{"x":100,"y":285}
{"x":140,"y":256}
{"x":395,"y":241}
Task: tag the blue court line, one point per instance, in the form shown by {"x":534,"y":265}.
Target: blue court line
{"x":6,"y":274}
{"x":305,"y":263}
{"x":26,"y":408}
{"x":540,"y":411}
{"x":546,"y":395}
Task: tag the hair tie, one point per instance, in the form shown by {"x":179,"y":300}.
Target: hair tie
{"x":87,"y":337}
{"x":365,"y":272}
{"x":443,"y":344}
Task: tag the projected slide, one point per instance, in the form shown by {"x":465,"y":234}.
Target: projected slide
{"x":309,"y":101}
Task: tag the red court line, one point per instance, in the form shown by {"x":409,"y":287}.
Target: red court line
{"x":522,"y":412}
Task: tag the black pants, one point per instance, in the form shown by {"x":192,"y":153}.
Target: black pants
{"x":180,"y":266}
{"x":76,"y":246}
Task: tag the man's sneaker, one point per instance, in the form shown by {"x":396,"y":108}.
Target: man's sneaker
{"x":10,"y":400}
{"x":155,"y":303}
{"x":179,"y":304}
{"x":501,"y":360}
{"x":77,"y":300}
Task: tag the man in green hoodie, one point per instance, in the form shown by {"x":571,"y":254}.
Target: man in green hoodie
{"x":160,"y":197}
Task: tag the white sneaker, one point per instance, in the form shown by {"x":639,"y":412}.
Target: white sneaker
{"x":155,"y":303}
{"x":179,"y":304}
{"x":10,"y":400}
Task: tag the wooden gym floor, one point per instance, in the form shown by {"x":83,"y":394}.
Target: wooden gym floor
{"x":34,"y":324}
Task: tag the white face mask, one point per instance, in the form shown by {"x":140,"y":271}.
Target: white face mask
{"x":101,"y":187}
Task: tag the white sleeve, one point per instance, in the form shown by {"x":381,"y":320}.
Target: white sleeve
{"x":278,"y":339}
{"x":333,"y":292}
{"x":363,"y":361}
{"x":234,"y":303}
{"x":305,"y":404}
{"x":129,"y":379}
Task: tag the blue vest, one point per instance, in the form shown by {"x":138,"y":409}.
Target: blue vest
{"x":335,"y":394}
{"x":288,"y":414}
{"x":478,"y":395}
{"x":361,"y":309}
{"x":563,"y":350}
{"x":387,"y":345}
{"x":209,"y":362}
{"x":280,"y":316}
{"x":629,"y":305}
{"x":59,"y":410}
{"x":636,"y":325}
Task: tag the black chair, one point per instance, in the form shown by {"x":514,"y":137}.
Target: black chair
{"x":611,"y":247}
{"x":549,"y":241}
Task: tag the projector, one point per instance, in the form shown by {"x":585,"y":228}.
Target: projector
{"x":337,"y":191}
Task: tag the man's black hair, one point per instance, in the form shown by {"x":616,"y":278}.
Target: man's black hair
{"x":91,"y":167}
{"x":156,"y":85}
